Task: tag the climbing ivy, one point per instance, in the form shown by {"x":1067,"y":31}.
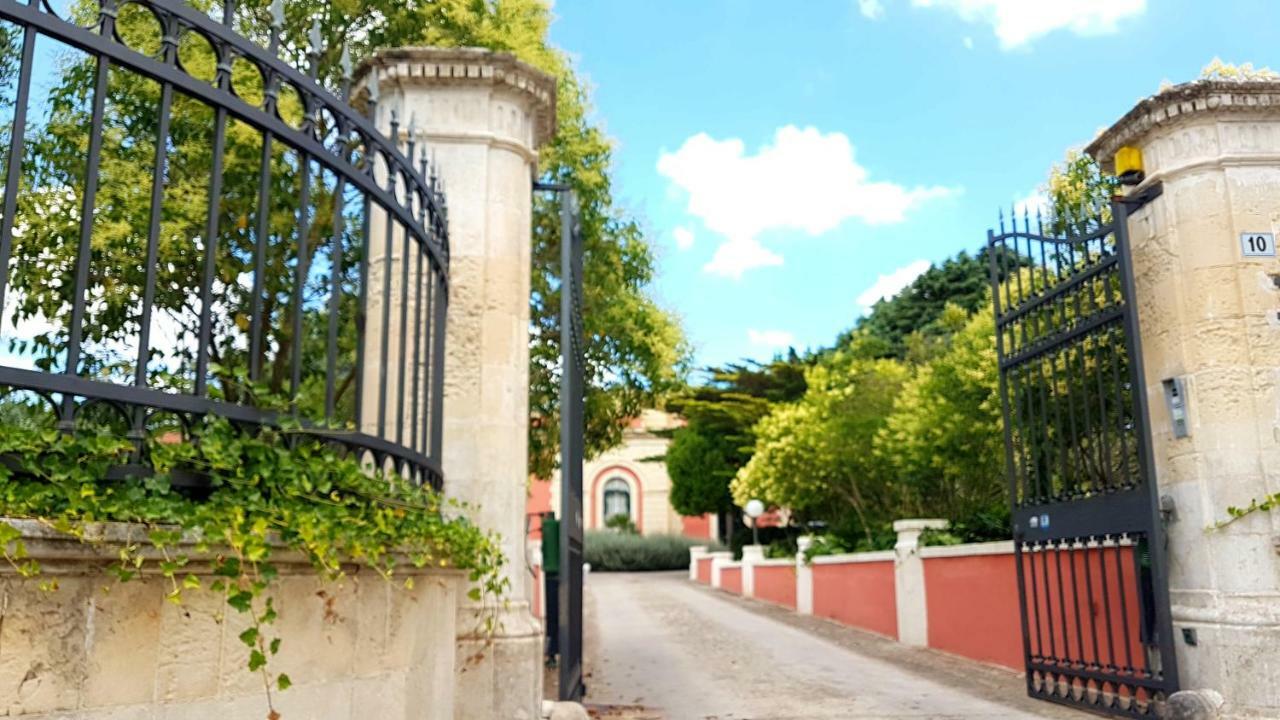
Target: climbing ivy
{"x":268,"y":491}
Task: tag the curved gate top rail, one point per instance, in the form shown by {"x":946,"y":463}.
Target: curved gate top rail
{"x":1088,"y":540}
{"x":191,"y":226}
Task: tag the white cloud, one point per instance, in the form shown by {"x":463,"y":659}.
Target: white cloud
{"x":871,"y":9}
{"x":773,"y":339}
{"x":886,"y":286}
{"x":1034,"y":202}
{"x":1018,"y":22}
{"x":968,"y":43}
{"x":736,"y":256}
{"x":805,"y":180}
{"x":684,"y":237}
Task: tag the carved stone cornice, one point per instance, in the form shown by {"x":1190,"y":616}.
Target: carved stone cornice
{"x":1183,"y":102}
{"x":468,"y":66}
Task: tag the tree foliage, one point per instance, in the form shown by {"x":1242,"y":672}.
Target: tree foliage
{"x":719,"y":437}
{"x":811,"y":456}
{"x":905,"y":325}
{"x":635,"y":349}
{"x":943,"y":440}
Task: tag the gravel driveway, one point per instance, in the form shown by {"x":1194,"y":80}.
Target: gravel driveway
{"x":661,"y":647}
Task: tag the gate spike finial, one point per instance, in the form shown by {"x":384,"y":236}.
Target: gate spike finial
{"x":314,"y":39}
{"x":372,"y":85}
{"x":1000,"y":214}
{"x":410,"y":134}
{"x":395,"y":128}
{"x":277,"y":15}
{"x":345,"y":62}
{"x":1039,"y":221}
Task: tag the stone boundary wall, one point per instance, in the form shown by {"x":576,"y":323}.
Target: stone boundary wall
{"x":98,"y":649}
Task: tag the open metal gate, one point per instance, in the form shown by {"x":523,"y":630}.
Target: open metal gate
{"x":571,"y":449}
{"x":1090,"y":548}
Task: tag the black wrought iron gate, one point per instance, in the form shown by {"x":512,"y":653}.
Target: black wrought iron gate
{"x":1090,"y":548}
{"x":572,"y":428}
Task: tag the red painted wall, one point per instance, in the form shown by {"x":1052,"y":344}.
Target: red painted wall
{"x":537,"y":502}
{"x":857,"y":594}
{"x":704,"y":570}
{"x":776,"y":585}
{"x":731,"y":580}
{"x":698,"y":526}
{"x":973,"y":608}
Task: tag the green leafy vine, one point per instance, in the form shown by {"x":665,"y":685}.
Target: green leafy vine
{"x":269,"y":491}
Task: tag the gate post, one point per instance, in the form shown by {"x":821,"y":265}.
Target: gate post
{"x":718,"y":561}
{"x":804,"y":576}
{"x":751,"y":554}
{"x":696,"y":553}
{"x":908,"y":580}
{"x":1209,"y":314}
{"x":483,"y":116}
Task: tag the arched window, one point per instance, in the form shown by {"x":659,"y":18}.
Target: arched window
{"x":617,"y":498}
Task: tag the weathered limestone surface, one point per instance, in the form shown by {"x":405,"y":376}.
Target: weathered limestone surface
{"x":483,"y":115}
{"x":1210,"y":316}
{"x":98,"y":649}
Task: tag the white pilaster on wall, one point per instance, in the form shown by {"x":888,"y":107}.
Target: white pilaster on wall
{"x":696,"y":553}
{"x":804,"y":577}
{"x":718,"y":561}
{"x":908,"y":580}
{"x":751,"y":554}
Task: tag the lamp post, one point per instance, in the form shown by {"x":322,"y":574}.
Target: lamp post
{"x":754,"y":510}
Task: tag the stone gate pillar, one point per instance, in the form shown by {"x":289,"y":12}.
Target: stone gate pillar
{"x":483,"y":115}
{"x":1210,"y":323}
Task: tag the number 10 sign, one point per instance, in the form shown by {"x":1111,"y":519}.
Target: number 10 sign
{"x":1258,"y":244}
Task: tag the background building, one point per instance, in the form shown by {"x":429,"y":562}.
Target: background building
{"x":631,"y":480}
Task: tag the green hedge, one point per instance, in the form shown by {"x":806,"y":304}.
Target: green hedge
{"x":610,"y":551}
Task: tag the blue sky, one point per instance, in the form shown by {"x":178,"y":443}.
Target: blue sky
{"x":792,"y":160}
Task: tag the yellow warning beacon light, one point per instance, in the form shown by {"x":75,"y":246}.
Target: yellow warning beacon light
{"x":1129,"y":165}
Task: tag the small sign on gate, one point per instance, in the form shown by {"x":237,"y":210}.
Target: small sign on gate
{"x":1258,"y":244}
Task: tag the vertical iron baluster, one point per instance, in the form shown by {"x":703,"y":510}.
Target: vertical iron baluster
{"x":1035,"y":600}
{"x":414,"y":421}
{"x":335,"y":249}
{"x":1112,"y":663}
{"x":301,"y":270}
{"x":388,"y":251}
{"x":256,"y":320}
{"x":222,"y":80}
{"x":17,"y":140}
{"x":437,"y":363}
{"x":403,"y":341}
{"x":169,"y":56}
{"x":1062,"y":601}
{"x":366,"y":245}
{"x":106,"y":19}
{"x":421,"y":249}
{"x":1075,"y":598}
{"x":310,"y":127}
{"x":1123,"y":587}
{"x":1048,"y":601}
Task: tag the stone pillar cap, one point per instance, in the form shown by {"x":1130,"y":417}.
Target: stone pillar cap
{"x":1174,"y":104}
{"x":918,"y":524}
{"x":467,"y":65}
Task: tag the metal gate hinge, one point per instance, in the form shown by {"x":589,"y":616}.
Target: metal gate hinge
{"x":1168,"y":509}
{"x":1139,"y":199}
